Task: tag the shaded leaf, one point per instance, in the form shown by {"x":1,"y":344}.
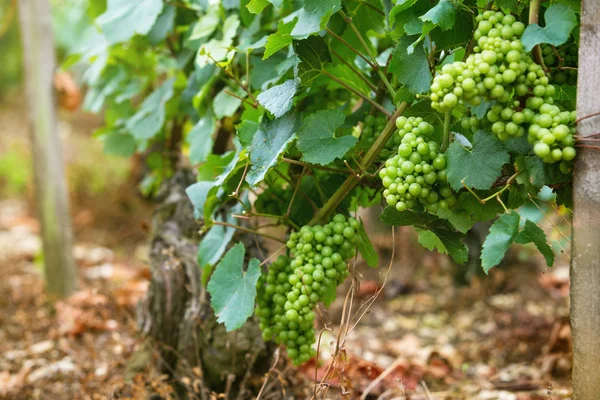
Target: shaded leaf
{"x":443,"y":15}
{"x":316,"y":137}
{"x":125,"y":18}
{"x":200,"y":139}
{"x":314,"y":54}
{"x":366,"y":249}
{"x":412,"y":70}
{"x":278,"y":99}
{"x":532,"y":233}
{"x":149,"y":119}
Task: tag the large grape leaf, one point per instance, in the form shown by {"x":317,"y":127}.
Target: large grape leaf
{"x":312,"y":17}
{"x":125,"y":18}
{"x":560,"y":21}
{"x":412,"y":70}
{"x":314,"y":55}
{"x":442,"y":15}
{"x":480,"y":166}
{"x":317,"y":140}
{"x":446,"y":240}
{"x":278,"y":99}
{"x":149,"y":119}
{"x":269,"y":142}
{"x":502,"y":234}
{"x":233,"y":290}
{"x":532,"y":233}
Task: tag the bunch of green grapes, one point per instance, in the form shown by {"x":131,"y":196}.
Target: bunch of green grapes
{"x":418,"y":171}
{"x":551,"y":133}
{"x":293,"y":287}
{"x":373,"y":126}
{"x":501,"y":71}
{"x":274,"y":200}
{"x":562,"y":63}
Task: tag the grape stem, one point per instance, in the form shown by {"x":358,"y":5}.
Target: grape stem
{"x":315,"y":166}
{"x":367,"y":160}
{"x":241,"y":228}
{"x":446,"y":140}
{"x":496,"y":194}
{"x":534,"y":11}
{"x":348,"y":45}
{"x":355,"y":70}
{"x":356,"y":92}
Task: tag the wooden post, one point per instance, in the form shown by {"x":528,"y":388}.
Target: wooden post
{"x":585,"y":257}
{"x":50,"y":184}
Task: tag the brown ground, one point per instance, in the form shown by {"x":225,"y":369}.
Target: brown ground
{"x":505,"y":336}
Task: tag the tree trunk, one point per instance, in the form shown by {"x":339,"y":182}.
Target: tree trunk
{"x":585,"y":267}
{"x":50,"y":183}
{"x":176,"y":314}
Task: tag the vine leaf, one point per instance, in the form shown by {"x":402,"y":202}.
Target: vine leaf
{"x":118,"y":143}
{"x":200,"y":139}
{"x":446,"y":240}
{"x":532,"y":233}
{"x":125,"y":18}
{"x":278,"y":99}
{"x":480,"y":166}
{"x":269,"y":142}
{"x":443,"y":15}
{"x":207,"y":24}
{"x":316,"y":137}
{"x":461,"y":220}
{"x":313,"y":54}
{"x":443,"y":244}
{"x":366,"y":249}
{"x":412,"y":70}
{"x":560,"y":21}
{"x":233,"y":290}
{"x":219,"y":48}
{"x":257,"y":6}
{"x":478,"y":211}
{"x":225,"y":105}
{"x":312,"y":17}
{"x":279,"y":39}
{"x":401,"y":5}
{"x":149,"y":119}
{"x":163,"y":25}
{"x":502,"y":234}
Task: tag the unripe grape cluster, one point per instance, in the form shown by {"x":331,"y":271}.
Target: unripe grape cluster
{"x":417,"y":173}
{"x":290,"y":291}
{"x":562,"y":63}
{"x":274,"y":200}
{"x":502,"y":72}
{"x":371,"y":129}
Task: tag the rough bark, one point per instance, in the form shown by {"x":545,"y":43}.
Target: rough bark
{"x":176,"y":315}
{"x":585,"y":268}
{"x":49,"y":175}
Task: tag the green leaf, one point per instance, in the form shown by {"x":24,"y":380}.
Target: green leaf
{"x":219,"y":48}
{"x":125,"y":18}
{"x":532,"y":233}
{"x":479,"y":167}
{"x":502,"y":234}
{"x":226,"y":105}
{"x":412,"y":70}
{"x":560,"y":21}
{"x":149,"y":119}
{"x":198,"y":193}
{"x":401,"y":5}
{"x":450,"y":239}
{"x":461,"y":32}
{"x":461,"y":220}
{"x":278,"y":99}
{"x":163,"y":25}
{"x":541,"y":173}
{"x":366,"y":249}
{"x":200,"y":139}
{"x":118,"y":143}
{"x":431,"y":240}
{"x":270,"y":141}
{"x":280,"y":39}
{"x":312,"y":17}
{"x":443,"y":15}
{"x":207,"y":24}
{"x":233,"y":290}
{"x":316,"y":137}
{"x":256,"y":6}
{"x":215,"y":241}
{"x":314,"y":54}
{"x":478,"y":211}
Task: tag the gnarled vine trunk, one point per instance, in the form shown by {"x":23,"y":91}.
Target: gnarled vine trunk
{"x":176,"y":315}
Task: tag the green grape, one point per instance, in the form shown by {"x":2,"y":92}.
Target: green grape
{"x":313,"y":270}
